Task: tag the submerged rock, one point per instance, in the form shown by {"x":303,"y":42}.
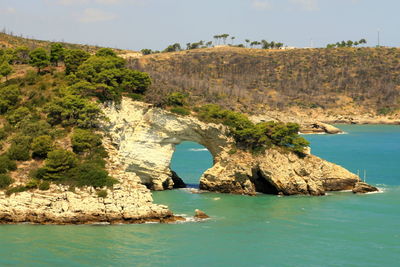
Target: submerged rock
{"x":362,"y":188}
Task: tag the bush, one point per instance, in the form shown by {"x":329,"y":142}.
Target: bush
{"x":136,"y":97}
{"x":256,"y":137}
{"x":73,"y":58}
{"x":89,"y":174}
{"x":180,"y":111}
{"x":102,"y":193}
{"x":5,"y":181}
{"x":16,"y":189}
{"x":35,"y":128}
{"x":6,"y":164}
{"x":176,"y":99}
{"x":9,"y":97}
{"x":41,"y":146}
{"x":21,"y":113}
{"x":85,"y":140}
{"x":31,"y":77}
{"x":44,"y":186}
{"x":3,"y":134}
{"x":73,"y":110}
{"x":58,"y":162}
{"x":20,"y":148}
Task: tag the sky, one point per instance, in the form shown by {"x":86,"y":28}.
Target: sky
{"x":154,"y":24}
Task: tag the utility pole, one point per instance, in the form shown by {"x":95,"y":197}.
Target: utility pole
{"x":379,"y":38}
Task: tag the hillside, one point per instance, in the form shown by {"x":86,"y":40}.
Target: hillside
{"x":11,"y":41}
{"x":344,"y":80}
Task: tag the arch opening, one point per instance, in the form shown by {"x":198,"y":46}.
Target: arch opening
{"x":189,"y":161}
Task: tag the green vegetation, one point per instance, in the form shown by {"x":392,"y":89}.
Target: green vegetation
{"x":41,"y":146}
{"x":85,"y":141}
{"x":39,"y":58}
{"x":102,"y":193}
{"x":255,"y":137}
{"x":41,"y":110}
{"x":5,"y":181}
{"x":253,"y":81}
{"x":180,"y":111}
{"x":349,"y":43}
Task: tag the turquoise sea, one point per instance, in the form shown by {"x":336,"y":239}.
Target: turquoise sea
{"x":340,"y":229}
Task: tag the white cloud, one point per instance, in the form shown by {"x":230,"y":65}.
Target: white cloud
{"x":72,"y":2}
{"x":96,"y":15}
{"x":7,"y":10}
{"x":261,"y":5}
{"x":108,"y":2}
{"x":309,"y":5}
{"x":101,"y":2}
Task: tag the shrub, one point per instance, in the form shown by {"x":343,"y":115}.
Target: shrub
{"x":5,"y":181}
{"x":35,"y":128}
{"x":102,"y":193}
{"x":73,"y":110}
{"x":89,"y":174}
{"x":9,"y":97}
{"x":84,"y":140}
{"x":44,"y":186}
{"x":180,"y":111}
{"x":6,"y":164}
{"x":41,"y":145}
{"x":136,"y":97}
{"x":256,"y":137}
{"x":3,"y":134}
{"x":105,"y":52}
{"x":176,"y":99}
{"x":20,"y":148}
{"x":58,"y":162}
{"x":73,"y":58}
{"x":21,"y":113}
{"x":31,"y":77}
{"x":16,"y":189}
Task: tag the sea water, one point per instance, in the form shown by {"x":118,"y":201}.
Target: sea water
{"x":340,"y":229}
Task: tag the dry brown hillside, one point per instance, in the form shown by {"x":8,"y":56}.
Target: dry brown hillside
{"x":355,"y":79}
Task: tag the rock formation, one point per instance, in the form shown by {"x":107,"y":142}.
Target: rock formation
{"x":128,"y":202}
{"x":145,"y":139}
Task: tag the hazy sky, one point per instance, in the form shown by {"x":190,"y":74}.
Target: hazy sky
{"x":137,"y":24}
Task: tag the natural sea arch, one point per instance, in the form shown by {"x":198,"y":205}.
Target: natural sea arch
{"x":143,"y":140}
{"x":189,"y":161}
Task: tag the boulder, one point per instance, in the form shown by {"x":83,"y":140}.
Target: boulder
{"x":198,"y":214}
{"x":362,"y":188}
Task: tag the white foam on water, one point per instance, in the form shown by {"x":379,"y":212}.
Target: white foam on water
{"x":198,"y":149}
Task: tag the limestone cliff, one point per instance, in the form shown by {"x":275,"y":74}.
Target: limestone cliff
{"x":145,"y":138}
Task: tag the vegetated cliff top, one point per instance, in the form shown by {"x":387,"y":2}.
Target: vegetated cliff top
{"x":12,"y":41}
{"x":354,"y":79}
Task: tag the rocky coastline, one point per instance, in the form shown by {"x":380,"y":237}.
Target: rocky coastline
{"x":140,"y":140}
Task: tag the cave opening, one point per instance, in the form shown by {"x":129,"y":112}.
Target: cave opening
{"x":189,"y":161}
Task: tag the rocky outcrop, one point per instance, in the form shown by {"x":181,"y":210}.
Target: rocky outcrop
{"x":319,"y":127}
{"x":362,"y":188}
{"x":128,"y":202}
{"x":199,"y":214}
{"x":145,"y":139}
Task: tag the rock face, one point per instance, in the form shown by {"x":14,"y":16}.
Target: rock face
{"x":145,"y":139}
{"x":128,"y":202}
{"x":362,"y":188}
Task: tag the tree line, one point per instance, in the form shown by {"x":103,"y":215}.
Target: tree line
{"x":218,"y":40}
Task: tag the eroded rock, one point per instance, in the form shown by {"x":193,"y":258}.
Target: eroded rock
{"x":362,"y":188}
{"x":145,"y":139}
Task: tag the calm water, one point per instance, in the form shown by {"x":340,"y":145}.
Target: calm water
{"x":336,"y":230}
